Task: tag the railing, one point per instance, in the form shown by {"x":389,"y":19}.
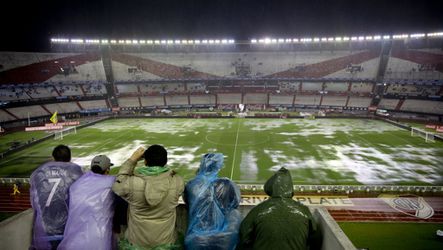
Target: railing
{"x":17,"y":231}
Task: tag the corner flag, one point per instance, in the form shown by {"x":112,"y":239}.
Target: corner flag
{"x":53,"y":118}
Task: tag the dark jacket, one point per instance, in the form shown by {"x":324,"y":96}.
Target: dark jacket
{"x":279,"y":222}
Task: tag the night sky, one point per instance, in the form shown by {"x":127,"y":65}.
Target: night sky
{"x":31,"y":23}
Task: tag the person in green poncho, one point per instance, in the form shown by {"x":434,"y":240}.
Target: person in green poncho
{"x":279,"y":222}
{"x":152,"y":192}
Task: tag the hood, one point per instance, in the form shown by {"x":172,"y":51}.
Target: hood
{"x":210,"y":165}
{"x":280,"y":184}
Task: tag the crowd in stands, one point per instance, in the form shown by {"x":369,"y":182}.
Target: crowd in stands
{"x":76,"y":210}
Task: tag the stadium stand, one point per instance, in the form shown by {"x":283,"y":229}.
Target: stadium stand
{"x":362,"y":102}
{"x":362,"y":87}
{"x":412,"y":90}
{"x":390,"y":104}
{"x":66,"y":107}
{"x":202,"y":99}
{"x":307,"y":100}
{"x":97,"y":104}
{"x":406,"y":63}
{"x":251,"y":98}
{"x":128,"y":102}
{"x":61,"y":67}
{"x":423,"y":106}
{"x":311,"y":86}
{"x":280,"y":99}
{"x":68,"y":89}
{"x":31,"y":111}
{"x":149,"y":101}
{"x":336,"y":87}
{"x":229,"y":98}
{"x":337,"y":101}
{"x":176,"y":100}
{"x":126,"y":88}
{"x":5,"y":116}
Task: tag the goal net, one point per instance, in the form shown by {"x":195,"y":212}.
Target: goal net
{"x":428,"y":136}
{"x":64,"y":132}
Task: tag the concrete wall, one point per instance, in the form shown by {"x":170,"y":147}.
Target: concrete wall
{"x":16,"y":231}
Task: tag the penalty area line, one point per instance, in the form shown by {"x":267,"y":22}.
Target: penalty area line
{"x":235,"y":149}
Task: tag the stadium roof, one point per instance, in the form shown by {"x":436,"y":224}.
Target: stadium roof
{"x":35,"y":22}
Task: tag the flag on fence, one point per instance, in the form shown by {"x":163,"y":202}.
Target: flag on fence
{"x":53,"y":118}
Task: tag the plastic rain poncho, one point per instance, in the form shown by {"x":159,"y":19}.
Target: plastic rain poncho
{"x":91,"y":211}
{"x":279,"y":222}
{"x":50,"y":200}
{"x":212,"y":214}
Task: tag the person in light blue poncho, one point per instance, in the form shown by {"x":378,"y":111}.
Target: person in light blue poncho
{"x":91,"y":210}
{"x":213,"y":218}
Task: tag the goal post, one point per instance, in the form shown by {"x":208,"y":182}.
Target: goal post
{"x":428,"y":136}
{"x":64,"y":132}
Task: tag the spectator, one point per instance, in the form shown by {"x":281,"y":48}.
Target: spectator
{"x":50,"y":198}
{"x":212,"y":208}
{"x":279,"y":222}
{"x":91,"y":209}
{"x":152,"y":193}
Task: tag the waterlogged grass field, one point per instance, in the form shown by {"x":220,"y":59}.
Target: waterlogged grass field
{"x":321,"y":151}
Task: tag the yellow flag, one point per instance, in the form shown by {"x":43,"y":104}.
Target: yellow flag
{"x":53,"y":118}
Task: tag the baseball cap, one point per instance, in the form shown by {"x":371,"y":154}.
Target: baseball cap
{"x":102,"y":161}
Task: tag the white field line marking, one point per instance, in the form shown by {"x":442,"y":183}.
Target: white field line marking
{"x":235,"y":149}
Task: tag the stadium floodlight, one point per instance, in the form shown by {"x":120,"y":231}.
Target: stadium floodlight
{"x":330,"y":39}
{"x":306,"y":40}
{"x":190,"y":41}
{"x":231,"y":41}
{"x":316,"y":39}
{"x":295,"y":40}
{"x":417,"y":35}
{"x":135,"y":41}
{"x":224,"y":41}
{"x":184,"y":41}
{"x":288,"y":40}
{"x":273,"y":40}
{"x":177,"y":41}
{"x":435,"y":34}
{"x":104,"y":41}
{"x":402,"y":36}
{"x":386,"y":37}
{"x":121,"y":41}
{"x":354,"y":38}
{"x":163,"y":41}
{"x":142,"y":41}
{"x":369,"y":38}
{"x":169,"y":42}
{"x":217,"y":41}
{"x":149,"y":42}
{"x":76,"y":40}
{"x":93,"y":41}
{"x":197,"y":41}
{"x":267,"y":40}
{"x":157,"y":42}
{"x":377,"y":37}
{"x":338,"y":39}
{"x":205,"y":41}
{"x":361,"y":38}
{"x":211,"y":41}
{"x":281,"y":40}
{"x":346,"y":38}
{"x":113,"y":41}
{"x":253,"y":40}
{"x":128,"y":41}
{"x":324,"y":39}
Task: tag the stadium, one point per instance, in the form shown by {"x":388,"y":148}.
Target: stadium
{"x":357,"y":119}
